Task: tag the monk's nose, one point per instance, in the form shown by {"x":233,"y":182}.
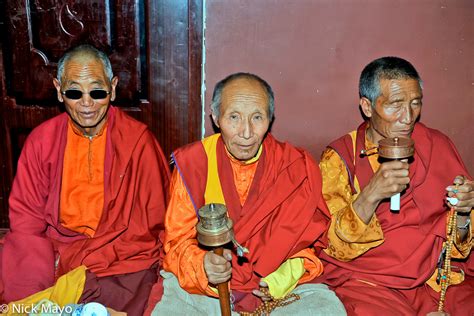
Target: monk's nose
{"x":246,"y":130}
{"x":407,"y":115}
{"x":86,"y":100}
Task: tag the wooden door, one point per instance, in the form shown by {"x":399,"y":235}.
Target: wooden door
{"x":155,"y":49}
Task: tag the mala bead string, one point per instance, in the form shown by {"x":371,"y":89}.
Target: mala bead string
{"x":268,"y":306}
{"x":446,"y":273}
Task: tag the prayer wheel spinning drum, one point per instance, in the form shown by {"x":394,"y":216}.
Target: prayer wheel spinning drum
{"x":214,"y":230}
{"x":396,"y":148}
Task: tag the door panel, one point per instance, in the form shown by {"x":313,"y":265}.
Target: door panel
{"x":155,"y":49}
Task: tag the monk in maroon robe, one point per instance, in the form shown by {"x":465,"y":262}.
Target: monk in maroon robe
{"x":272,"y":194}
{"x":90,"y":189}
{"x":386,"y":263}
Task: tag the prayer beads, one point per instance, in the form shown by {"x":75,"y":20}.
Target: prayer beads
{"x":446,"y":273}
{"x":268,"y":306}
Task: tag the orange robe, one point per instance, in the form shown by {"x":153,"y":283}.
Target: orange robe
{"x":82,"y":183}
{"x":274,"y":203}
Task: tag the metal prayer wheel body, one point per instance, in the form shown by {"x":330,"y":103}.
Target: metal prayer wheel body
{"x":214,"y":228}
{"x":396,"y":148}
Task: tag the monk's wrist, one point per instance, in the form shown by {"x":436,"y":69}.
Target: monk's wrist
{"x":463,"y":222}
{"x":364,"y":208}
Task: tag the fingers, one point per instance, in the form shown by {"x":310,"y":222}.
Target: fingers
{"x":219,"y":278}
{"x":218,"y":268}
{"x":461,"y":194}
{"x":396,"y":170}
{"x":391,"y":178}
{"x":460,"y":184}
{"x":461,"y":200}
{"x":396,"y":164}
{"x":227,"y":254}
{"x":262,"y":295}
{"x":397,"y":173}
{"x":218,"y":261}
{"x":459,"y":180}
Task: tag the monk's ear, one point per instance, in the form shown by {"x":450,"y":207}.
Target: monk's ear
{"x":114,"y":83}
{"x":366,"y":106}
{"x":57,"y":85}
{"x":215,"y":118}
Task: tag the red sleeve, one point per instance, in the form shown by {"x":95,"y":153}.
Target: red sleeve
{"x":28,"y":256}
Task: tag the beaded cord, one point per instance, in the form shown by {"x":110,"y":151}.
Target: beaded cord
{"x":446,"y":273}
{"x":268,"y":306}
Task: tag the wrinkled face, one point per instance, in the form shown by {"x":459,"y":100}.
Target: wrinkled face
{"x":396,"y":109}
{"x":86,"y":75}
{"x":244,"y":117}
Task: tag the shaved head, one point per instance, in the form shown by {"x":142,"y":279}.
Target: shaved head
{"x":84,"y":54}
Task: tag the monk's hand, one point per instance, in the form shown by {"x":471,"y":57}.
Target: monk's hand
{"x":218,"y":268}
{"x":461,"y":195}
{"x":390,"y":179}
{"x":263,"y":293}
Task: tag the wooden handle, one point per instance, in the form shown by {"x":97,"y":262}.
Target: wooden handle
{"x":223,"y":289}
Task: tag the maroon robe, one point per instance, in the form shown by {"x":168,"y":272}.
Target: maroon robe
{"x":136,"y":179}
{"x":413,"y":237}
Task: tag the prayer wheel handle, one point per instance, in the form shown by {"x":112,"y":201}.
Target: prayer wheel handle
{"x":214,"y":229}
{"x":223,"y":290}
{"x":396,"y":148}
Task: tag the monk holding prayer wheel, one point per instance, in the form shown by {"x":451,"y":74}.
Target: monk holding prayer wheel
{"x":378,"y":262}
{"x":272,"y":193}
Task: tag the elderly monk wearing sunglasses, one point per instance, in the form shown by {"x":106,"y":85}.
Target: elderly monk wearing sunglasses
{"x":88,"y":199}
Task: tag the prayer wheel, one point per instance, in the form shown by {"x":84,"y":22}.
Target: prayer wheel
{"x":215,"y":227}
{"x":396,"y":148}
{"x":214,"y":230}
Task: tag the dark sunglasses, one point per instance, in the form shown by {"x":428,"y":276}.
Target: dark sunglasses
{"x":77,"y":94}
